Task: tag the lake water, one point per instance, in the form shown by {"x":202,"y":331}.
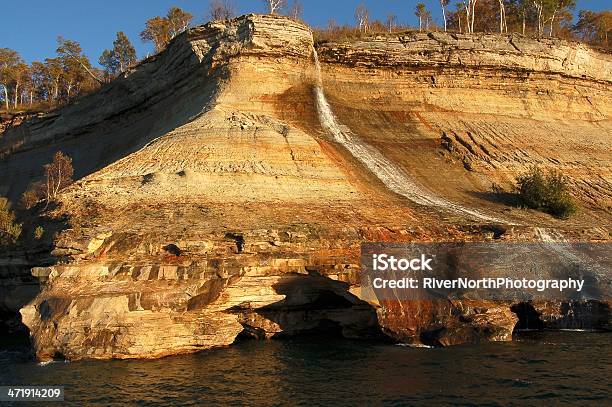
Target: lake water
{"x":538,"y":368}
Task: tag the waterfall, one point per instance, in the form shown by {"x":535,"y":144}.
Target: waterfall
{"x":559,"y":245}
{"x":394,"y":177}
{"x":547,"y":237}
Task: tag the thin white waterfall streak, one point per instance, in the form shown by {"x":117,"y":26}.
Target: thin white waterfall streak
{"x":548,"y":237}
{"x":389,"y":173}
{"x":558,"y":244}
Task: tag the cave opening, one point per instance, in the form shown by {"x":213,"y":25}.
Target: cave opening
{"x":14,"y":335}
{"x":313,"y":306}
{"x":529,"y":318}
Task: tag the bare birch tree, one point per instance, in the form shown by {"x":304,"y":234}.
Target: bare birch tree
{"x":362,"y":15}
{"x":296,"y":10}
{"x":470,"y":14}
{"x":557,"y":6}
{"x":391,"y":22}
{"x":58,"y":175}
{"x":221,"y":10}
{"x":443,"y":4}
{"x":522,"y":7}
{"x":503,"y":27}
{"x":19,"y":74}
{"x":539,"y":6}
{"x":421,"y":12}
{"x":9,"y":60}
{"x":274,"y":6}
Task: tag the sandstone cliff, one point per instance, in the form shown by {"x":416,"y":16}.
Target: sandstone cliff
{"x":212,"y":201}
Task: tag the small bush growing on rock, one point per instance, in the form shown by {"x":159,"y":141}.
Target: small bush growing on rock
{"x":39,"y":232}
{"x":58,"y":175}
{"x":32,"y":196}
{"x":546,"y":192}
{"x":9,"y":230}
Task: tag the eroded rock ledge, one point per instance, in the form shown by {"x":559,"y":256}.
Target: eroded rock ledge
{"x":512,"y":52}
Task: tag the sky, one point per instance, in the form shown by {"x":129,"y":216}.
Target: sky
{"x":31,"y":26}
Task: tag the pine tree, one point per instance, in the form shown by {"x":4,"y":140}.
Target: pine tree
{"x":124,"y":51}
{"x":120,"y":58}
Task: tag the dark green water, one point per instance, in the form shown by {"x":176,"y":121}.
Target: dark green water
{"x":548,"y":368}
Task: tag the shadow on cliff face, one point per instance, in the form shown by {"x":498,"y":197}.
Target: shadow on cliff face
{"x":22,"y":268}
{"x":313,"y":305}
{"x":17,"y":288}
{"x":117,"y":120}
{"x":529,"y":318}
{"x":554,"y":315}
{"x":499,"y":197}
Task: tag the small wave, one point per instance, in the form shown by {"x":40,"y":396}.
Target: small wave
{"x":576,"y":330}
{"x":45,"y":363}
{"x":415,"y":345}
{"x":527,"y":330}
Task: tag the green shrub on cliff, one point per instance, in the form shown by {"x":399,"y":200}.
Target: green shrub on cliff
{"x":9,"y":230}
{"x":546,"y":192}
{"x":39,"y":232}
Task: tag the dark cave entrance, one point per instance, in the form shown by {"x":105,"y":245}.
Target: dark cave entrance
{"x":17,"y":288}
{"x":529,"y":318}
{"x":314,"y":306}
{"x":14,"y":335}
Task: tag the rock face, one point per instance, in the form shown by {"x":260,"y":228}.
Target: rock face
{"x":496,"y":104}
{"x":212,"y":203}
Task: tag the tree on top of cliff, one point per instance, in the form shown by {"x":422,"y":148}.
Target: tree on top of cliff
{"x":421,"y":13}
{"x":520,"y":12}
{"x":296,"y":10}
{"x":443,"y":4}
{"x":470,"y":14}
{"x":503,"y":25}
{"x":49,"y":75}
{"x":121,"y":57}
{"x":391,"y":22}
{"x":76,"y":65}
{"x":555,"y":8}
{"x":157,"y":31}
{"x":220,"y":10}
{"x":160,"y":30}
{"x":178,"y":21}
{"x":9,"y":61}
{"x":21,"y":78}
{"x":362,"y":16}
{"x":594,"y":27}
{"x":13,"y":74}
{"x":539,"y":7}
{"x":274,"y":6}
